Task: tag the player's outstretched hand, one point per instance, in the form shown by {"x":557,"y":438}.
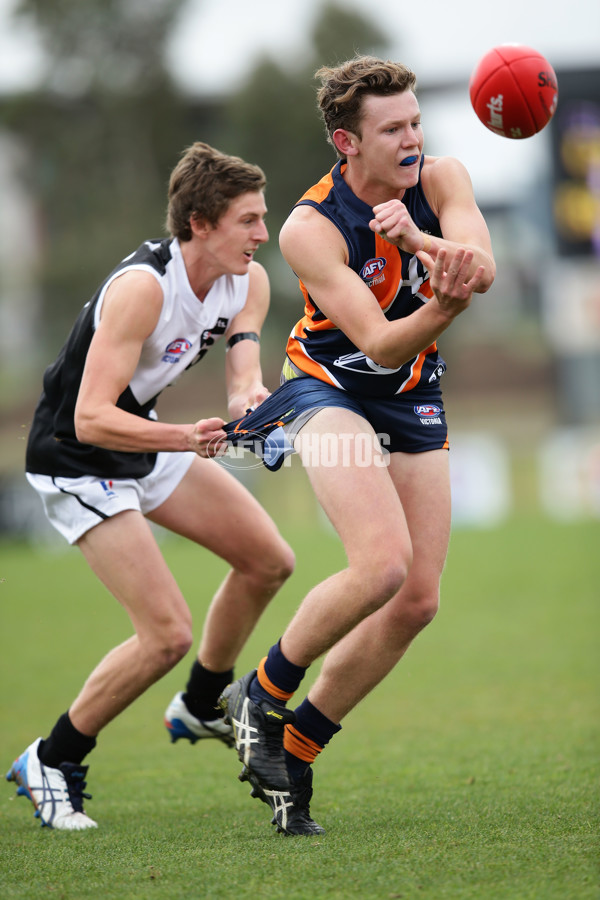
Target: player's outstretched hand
{"x":449,"y":278}
{"x":207,"y":437}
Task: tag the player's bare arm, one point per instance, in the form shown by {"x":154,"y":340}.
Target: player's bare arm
{"x":448,"y":188}
{"x":243,"y":374}
{"x":316,"y":252}
{"x":130,"y":313}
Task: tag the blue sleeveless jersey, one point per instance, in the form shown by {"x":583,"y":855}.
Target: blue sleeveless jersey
{"x":398,"y":281}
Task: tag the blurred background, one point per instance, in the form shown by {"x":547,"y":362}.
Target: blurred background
{"x":99,"y":97}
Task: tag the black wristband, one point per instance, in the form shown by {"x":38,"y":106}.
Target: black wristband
{"x":242,"y":336}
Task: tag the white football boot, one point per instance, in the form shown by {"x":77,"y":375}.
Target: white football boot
{"x":57,"y":794}
{"x":180,"y":723}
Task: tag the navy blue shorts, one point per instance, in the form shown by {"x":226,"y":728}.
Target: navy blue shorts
{"x":406,"y":423}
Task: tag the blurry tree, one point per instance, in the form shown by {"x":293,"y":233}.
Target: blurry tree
{"x":273,"y":120}
{"x":107,"y":124}
{"x":102,"y":133}
{"x":339,"y":34}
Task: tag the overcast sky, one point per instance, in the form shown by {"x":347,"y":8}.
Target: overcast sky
{"x":215,"y":43}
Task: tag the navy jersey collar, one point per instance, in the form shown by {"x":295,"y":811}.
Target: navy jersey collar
{"x":348,"y":196}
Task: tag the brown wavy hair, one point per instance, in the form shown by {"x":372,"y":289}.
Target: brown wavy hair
{"x":344,"y":86}
{"x":203,"y":184}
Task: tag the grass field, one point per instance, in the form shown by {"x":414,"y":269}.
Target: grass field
{"x":472,"y":772}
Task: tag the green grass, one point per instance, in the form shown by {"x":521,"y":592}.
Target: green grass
{"x":472,"y":772}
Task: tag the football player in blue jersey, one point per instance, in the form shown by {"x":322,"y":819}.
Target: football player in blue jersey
{"x":389,"y":247}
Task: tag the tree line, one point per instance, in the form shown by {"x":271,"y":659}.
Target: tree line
{"x":104,"y":130}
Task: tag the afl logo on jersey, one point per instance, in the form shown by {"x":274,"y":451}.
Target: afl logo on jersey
{"x":428,"y":414}
{"x":175,"y":350}
{"x":372,"y":267}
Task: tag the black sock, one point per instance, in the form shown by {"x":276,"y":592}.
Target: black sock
{"x":65,"y":744}
{"x":203,"y":690}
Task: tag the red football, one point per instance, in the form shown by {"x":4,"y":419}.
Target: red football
{"x":514,"y":91}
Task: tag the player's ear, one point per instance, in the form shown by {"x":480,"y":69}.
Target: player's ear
{"x":200,"y":227}
{"x":346,"y":142}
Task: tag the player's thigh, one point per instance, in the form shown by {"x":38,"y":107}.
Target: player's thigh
{"x":209,"y":506}
{"x":422,"y":481}
{"x":351,"y":481}
{"x":123,"y":553}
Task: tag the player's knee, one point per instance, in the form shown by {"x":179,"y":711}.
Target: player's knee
{"x":285,"y":562}
{"x":426,"y":610}
{"x":393,"y":568}
{"x":175,"y":650}
{"x":272,"y":569}
{"x":171,"y":644}
{"x":421,"y":609}
{"x":384,"y":579}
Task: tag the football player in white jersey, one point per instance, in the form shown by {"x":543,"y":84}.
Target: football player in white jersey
{"x":104,"y":465}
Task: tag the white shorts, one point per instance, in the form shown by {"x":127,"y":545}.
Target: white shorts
{"x":74,"y":505}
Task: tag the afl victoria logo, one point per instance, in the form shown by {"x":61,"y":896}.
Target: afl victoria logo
{"x":373,"y":267}
{"x":427,"y":411}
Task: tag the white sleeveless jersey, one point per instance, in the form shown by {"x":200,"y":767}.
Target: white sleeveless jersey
{"x":187,"y":327}
{"x":185,"y":331}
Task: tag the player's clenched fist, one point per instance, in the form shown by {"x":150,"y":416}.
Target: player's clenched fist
{"x":207,"y":437}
